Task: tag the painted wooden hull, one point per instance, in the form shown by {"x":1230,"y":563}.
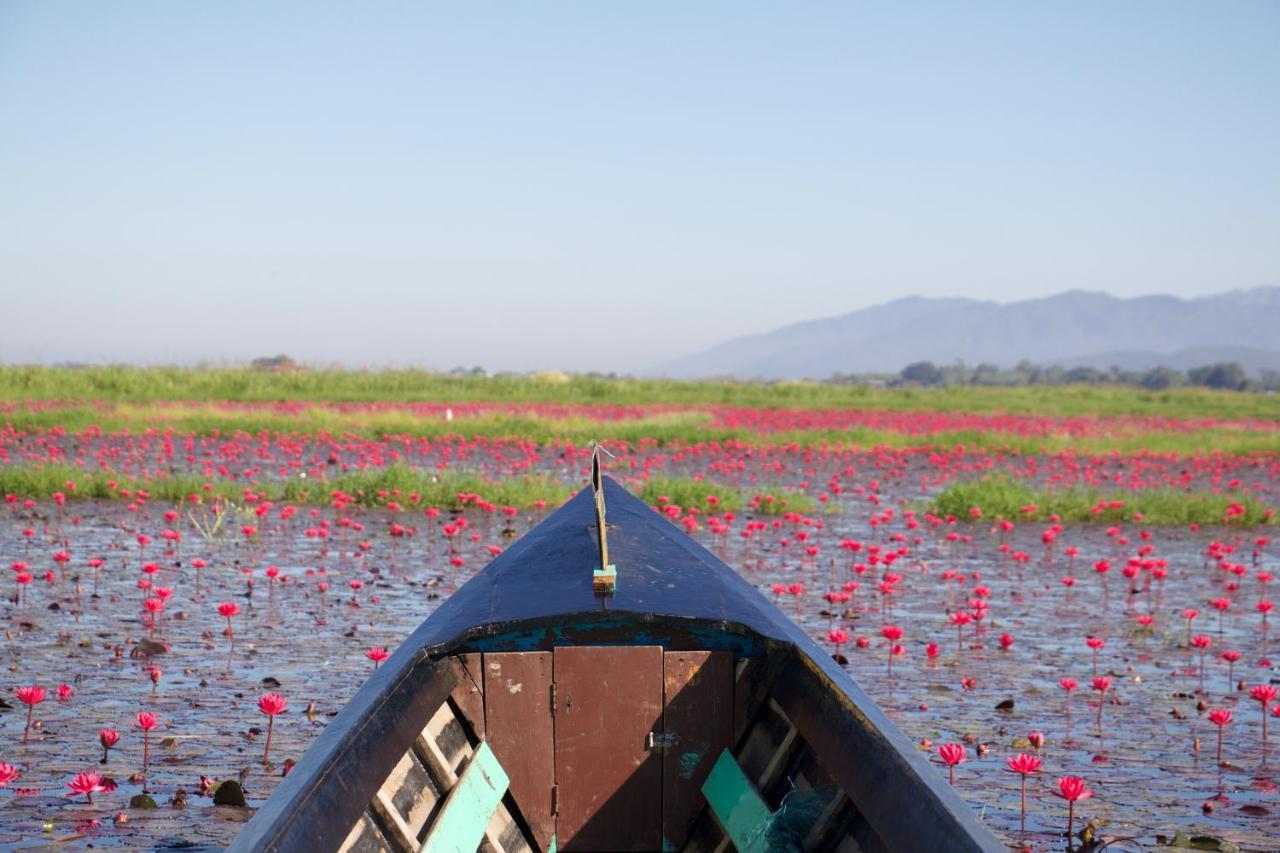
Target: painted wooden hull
{"x":680,"y":712}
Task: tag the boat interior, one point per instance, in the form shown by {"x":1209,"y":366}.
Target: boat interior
{"x":610,"y":748}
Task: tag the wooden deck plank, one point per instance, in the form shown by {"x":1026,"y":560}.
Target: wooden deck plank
{"x":698,"y":710}
{"x":520,"y":730}
{"x":750,"y":691}
{"x":470,"y":805}
{"x":609,"y":698}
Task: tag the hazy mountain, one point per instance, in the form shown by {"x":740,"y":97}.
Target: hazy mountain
{"x":1073,"y":328}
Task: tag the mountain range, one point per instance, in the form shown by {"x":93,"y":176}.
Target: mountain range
{"x":1074,"y":329}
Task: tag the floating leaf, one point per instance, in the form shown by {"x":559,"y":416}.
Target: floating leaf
{"x":229,"y":793}
{"x":141,"y":801}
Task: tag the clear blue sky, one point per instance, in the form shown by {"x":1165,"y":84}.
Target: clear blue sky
{"x":607,"y":185}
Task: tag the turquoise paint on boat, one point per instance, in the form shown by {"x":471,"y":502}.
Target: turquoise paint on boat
{"x":638,"y":633}
{"x":469,"y":806}
{"x":735,"y":803}
{"x":690,"y":760}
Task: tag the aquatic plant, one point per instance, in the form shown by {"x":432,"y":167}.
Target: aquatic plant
{"x":1024,"y":765}
{"x":30,"y":696}
{"x":1068,"y":685}
{"x":226,"y":610}
{"x":89,"y":783}
{"x":271,"y":704}
{"x":108,"y":738}
{"x":1264,"y":694}
{"x":1101,"y":684}
{"x":952,"y":754}
{"x":1072,"y":789}
{"x":1220,"y":717}
{"x":146,"y":721}
{"x":8,"y":774}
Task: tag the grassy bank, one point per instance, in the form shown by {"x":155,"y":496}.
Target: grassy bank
{"x":168,"y":384}
{"x":206,"y":420}
{"x":369,"y":488}
{"x":373,"y":487}
{"x":665,"y":429}
{"x":1004,"y":498}
{"x":712,"y":498}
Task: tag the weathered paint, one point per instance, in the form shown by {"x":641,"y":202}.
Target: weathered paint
{"x":521,"y":734}
{"x":609,"y":785}
{"x":737,"y":806}
{"x":617,"y":632}
{"x":698,"y":715}
{"x":470,"y":805}
{"x":689,"y":761}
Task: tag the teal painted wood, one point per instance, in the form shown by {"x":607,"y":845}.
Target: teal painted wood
{"x":734,"y":800}
{"x":469,"y":807}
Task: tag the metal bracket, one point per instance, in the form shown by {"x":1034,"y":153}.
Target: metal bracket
{"x":661,"y":740}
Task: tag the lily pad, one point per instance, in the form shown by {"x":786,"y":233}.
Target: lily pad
{"x":142,"y":801}
{"x":229,"y":793}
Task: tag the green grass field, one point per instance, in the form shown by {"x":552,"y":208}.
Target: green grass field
{"x":137,"y":385}
{"x":1000,"y":497}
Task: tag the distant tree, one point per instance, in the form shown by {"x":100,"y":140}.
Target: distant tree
{"x":1084,"y":375}
{"x":1227,"y":374}
{"x":1055,"y":374}
{"x":985,"y":374}
{"x":1160,"y":378}
{"x":274,"y":363}
{"x":954,"y":375}
{"x":923,"y":372}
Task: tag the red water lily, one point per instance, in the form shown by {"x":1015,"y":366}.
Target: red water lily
{"x":1071,"y":789}
{"x":1024,"y":765}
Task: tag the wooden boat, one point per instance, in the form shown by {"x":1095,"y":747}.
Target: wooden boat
{"x":560,"y":701}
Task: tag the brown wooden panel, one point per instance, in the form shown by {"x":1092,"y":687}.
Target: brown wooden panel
{"x":518,"y":723}
{"x":698,"y":712}
{"x":468,"y":696}
{"x":609,"y":698}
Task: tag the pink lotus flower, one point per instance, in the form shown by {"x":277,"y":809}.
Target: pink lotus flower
{"x":1220,"y":717}
{"x":88,"y":784}
{"x":1024,"y":765}
{"x":1266,"y":694}
{"x":951,"y":755}
{"x":146,"y":720}
{"x":108,"y":738}
{"x":30,"y":696}
{"x":1071,"y":789}
{"x":271,"y":704}
{"x":8,"y":773}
